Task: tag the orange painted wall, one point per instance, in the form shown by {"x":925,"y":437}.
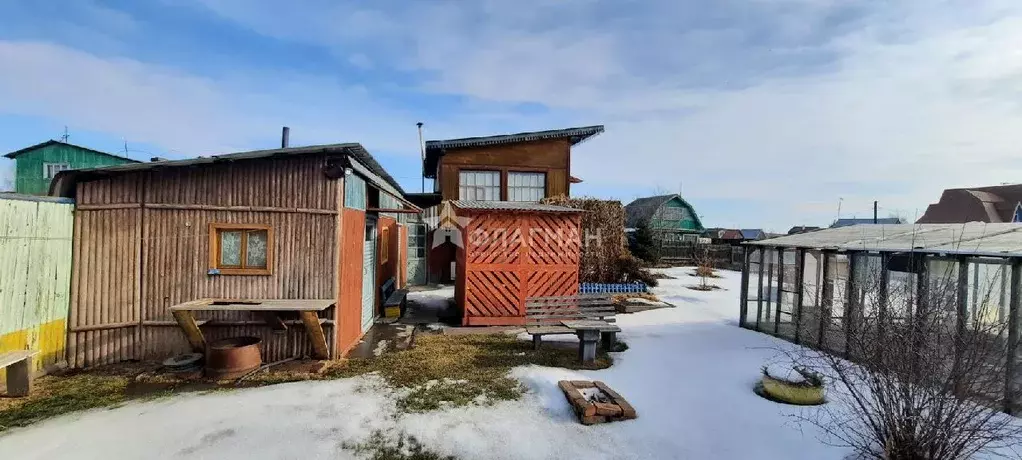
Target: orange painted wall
{"x":349,"y":303}
{"x":388,"y":269}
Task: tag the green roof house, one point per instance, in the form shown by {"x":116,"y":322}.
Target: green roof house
{"x":663,"y":213}
{"x":35,"y":166}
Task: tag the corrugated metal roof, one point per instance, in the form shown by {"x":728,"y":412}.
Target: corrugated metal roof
{"x":435,"y":148}
{"x":974,"y":238}
{"x":511,"y":206}
{"x":355,"y":150}
{"x":30,"y":148}
{"x":855,"y":221}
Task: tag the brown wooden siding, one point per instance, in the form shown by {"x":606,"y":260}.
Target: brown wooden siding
{"x":141,"y":245}
{"x":350,"y":301}
{"x":550,"y":156}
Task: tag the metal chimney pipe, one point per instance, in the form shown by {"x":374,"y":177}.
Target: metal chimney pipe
{"x":422,"y":154}
{"x":284,"y":134}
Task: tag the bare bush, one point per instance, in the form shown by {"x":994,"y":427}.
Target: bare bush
{"x":917,"y":360}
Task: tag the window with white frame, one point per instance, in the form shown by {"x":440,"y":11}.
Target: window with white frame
{"x":479,"y":185}
{"x":526,"y":186}
{"x":51,"y":169}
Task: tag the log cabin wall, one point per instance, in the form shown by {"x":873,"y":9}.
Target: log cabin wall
{"x":142,"y":245}
{"x":551,"y":156}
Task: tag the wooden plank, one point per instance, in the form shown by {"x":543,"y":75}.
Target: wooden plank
{"x":19,"y":377}
{"x":206,"y":207}
{"x":316,"y":335}
{"x":543,"y":330}
{"x":591,"y":325}
{"x":11,"y":357}
{"x":186,"y":320}
{"x":572,"y":297}
{"x":571,"y":307}
{"x":255,"y":305}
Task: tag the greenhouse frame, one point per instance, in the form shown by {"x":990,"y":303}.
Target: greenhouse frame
{"x":813,"y":288}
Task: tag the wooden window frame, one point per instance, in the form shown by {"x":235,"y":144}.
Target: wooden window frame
{"x":214,"y":249}
{"x":46,"y":169}
{"x":507,"y":183}
{"x":501,"y":181}
{"x":384,"y":245}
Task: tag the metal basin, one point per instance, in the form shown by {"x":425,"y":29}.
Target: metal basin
{"x":232,"y":357}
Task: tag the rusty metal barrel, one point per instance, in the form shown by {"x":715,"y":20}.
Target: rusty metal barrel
{"x":233,"y":357}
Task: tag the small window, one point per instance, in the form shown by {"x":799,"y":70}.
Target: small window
{"x":385,"y":245}
{"x":241,"y":249}
{"x":51,"y":169}
{"x":526,"y":186}
{"x":479,"y":185}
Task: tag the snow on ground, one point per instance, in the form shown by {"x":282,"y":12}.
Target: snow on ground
{"x":436,"y":299}
{"x":689,"y":372}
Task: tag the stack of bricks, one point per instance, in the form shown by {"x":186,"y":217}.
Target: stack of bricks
{"x":615,"y":408}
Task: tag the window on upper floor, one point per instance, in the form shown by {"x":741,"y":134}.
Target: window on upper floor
{"x":51,"y":169}
{"x":526,"y":186}
{"x":479,"y":185}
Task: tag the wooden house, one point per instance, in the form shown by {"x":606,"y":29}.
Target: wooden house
{"x":300,"y":224}
{"x":671,"y":219}
{"x":522,"y":167}
{"x":35,"y":166}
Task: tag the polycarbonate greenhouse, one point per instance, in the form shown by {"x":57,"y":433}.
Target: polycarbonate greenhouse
{"x":817,"y":288}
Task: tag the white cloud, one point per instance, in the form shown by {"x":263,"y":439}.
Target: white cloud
{"x":804,"y":103}
{"x":185,"y":113}
{"x":776,"y":107}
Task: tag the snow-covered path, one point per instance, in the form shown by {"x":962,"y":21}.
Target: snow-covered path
{"x":688,"y":372}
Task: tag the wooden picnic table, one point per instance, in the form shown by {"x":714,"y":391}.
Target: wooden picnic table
{"x":308,"y":311}
{"x":588,"y":332}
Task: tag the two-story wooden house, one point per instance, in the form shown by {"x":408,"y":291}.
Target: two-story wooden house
{"x":509,"y":167}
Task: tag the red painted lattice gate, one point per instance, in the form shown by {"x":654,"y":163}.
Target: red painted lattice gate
{"x":507,"y":256}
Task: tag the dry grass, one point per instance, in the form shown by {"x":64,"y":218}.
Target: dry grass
{"x":457,"y":370}
{"x":440,"y":371}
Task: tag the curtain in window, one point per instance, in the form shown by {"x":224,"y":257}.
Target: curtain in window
{"x":479,"y":185}
{"x":526,"y":186}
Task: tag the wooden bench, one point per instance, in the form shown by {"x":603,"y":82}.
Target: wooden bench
{"x":394,"y":300}
{"x":19,"y":371}
{"x":553,"y":315}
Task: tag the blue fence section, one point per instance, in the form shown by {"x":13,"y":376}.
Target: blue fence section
{"x":612,"y":288}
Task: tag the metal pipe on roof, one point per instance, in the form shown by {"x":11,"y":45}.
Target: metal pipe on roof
{"x":285,"y":133}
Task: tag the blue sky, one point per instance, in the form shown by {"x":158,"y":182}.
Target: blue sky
{"x":763,"y":113}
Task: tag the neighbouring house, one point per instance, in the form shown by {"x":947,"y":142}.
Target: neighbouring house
{"x":316,"y":223}
{"x":35,"y":166}
{"x":753,"y":234}
{"x":671,"y":219}
{"x":799,"y":229}
{"x":994,"y":204}
{"x":522,"y":167}
{"x":723,"y":235}
{"x":847,"y":222}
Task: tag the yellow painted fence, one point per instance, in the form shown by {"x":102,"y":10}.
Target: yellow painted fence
{"x":35,"y":276}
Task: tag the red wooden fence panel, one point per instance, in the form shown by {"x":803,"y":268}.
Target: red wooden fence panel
{"x":507,"y":256}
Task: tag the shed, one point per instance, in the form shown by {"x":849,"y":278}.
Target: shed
{"x":314,"y":223}
{"x":510,"y":251}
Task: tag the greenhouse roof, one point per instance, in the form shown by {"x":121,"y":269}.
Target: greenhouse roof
{"x":974,"y":238}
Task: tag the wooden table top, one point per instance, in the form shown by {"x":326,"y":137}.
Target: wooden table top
{"x":591,"y":325}
{"x":255,"y":305}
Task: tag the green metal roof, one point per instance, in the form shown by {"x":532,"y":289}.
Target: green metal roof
{"x":40,"y":145}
